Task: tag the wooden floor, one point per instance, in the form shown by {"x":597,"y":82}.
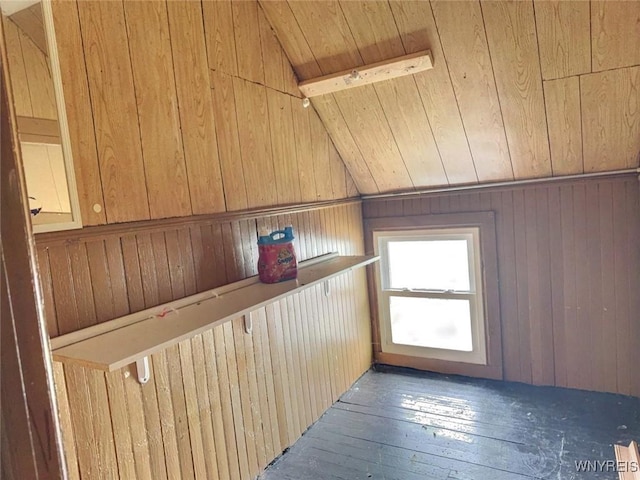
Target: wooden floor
{"x":395,"y":424}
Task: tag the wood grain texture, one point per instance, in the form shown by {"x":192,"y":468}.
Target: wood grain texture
{"x":564,"y":249}
{"x":563,"y":38}
{"x":31,"y":438}
{"x":79,"y":113}
{"x":15,"y":63}
{"x":329,"y":37}
{"x":304,"y":151}
{"x":114,"y":111}
{"x":246,"y":28}
{"x":255,"y":143}
{"x":417,"y":30}
{"x":273,"y":58}
{"x":511,"y":36}
{"x":38,"y":72}
{"x":257,"y":402}
{"x":615,"y":34}
{"x":344,"y":141}
{"x":224,"y":111}
{"x":610,"y":120}
{"x":195,"y":104}
{"x":562,"y":102}
{"x":484,"y":106}
{"x":162,"y":148}
{"x":460,"y":26}
{"x":30,"y":21}
{"x":283,"y":147}
{"x":157,"y":136}
{"x":370,"y":73}
{"x":377,"y":39}
{"x":221,"y":42}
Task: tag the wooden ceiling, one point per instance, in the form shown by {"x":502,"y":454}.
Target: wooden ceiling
{"x":519,"y":89}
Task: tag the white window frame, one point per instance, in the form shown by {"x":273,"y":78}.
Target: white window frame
{"x":475,"y":295}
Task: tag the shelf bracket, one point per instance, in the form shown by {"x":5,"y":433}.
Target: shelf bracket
{"x":248,"y":323}
{"x":327,"y":288}
{"x":142,"y":367}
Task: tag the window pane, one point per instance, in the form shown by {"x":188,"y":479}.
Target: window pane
{"x":429,"y":265}
{"x":431,"y":322}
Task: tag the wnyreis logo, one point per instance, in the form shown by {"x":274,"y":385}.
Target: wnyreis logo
{"x":618,"y":466}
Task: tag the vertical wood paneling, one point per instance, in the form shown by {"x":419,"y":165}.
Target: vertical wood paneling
{"x":465,"y":48}
{"x":615,"y":34}
{"x":610,"y":119}
{"x":221,"y":43}
{"x":36,"y":64}
{"x":224,"y":111}
{"x":511,"y":35}
{"x":30,"y":437}
{"x":114,"y":108}
{"x":568,"y":273}
{"x":246,"y":28}
{"x":563,"y":38}
{"x":272,"y":56}
{"x":283,"y":144}
{"x":377,"y":39}
{"x":255,"y":143}
{"x":327,"y":32}
{"x":195,"y":106}
{"x":79,"y":114}
{"x":320,"y":144}
{"x":162,"y":149}
{"x":154,"y":90}
{"x":634,"y":279}
{"x":345,"y":143}
{"x":225,"y":403}
{"x":562,"y":101}
{"x":418,"y":32}
{"x":304,"y":152}
{"x":622,"y":249}
{"x":15,"y":61}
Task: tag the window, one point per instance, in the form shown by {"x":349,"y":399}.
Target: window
{"x":430,"y":293}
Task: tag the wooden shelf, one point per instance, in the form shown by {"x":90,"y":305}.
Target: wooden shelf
{"x":117,"y":343}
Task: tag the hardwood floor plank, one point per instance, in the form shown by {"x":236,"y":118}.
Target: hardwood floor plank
{"x":396,"y":424}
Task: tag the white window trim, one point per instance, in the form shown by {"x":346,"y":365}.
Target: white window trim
{"x":476,"y":294}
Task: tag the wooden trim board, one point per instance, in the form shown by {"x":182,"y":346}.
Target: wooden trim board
{"x":150,"y":226}
{"x":38,"y":130}
{"x":166,"y":325}
{"x":628,"y":461}
{"x":372,"y":73}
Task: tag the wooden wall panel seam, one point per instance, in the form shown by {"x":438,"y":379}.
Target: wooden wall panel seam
{"x":125,"y":230}
{"x":131,"y":197}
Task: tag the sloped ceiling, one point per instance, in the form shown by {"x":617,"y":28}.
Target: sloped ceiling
{"x":518,"y":90}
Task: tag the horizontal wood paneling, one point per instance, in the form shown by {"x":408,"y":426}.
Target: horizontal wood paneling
{"x":223,"y":404}
{"x":569,"y":274}
{"x":482,"y":113}
{"x":182,"y":124}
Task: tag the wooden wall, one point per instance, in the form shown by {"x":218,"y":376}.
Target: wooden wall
{"x":30,"y":445}
{"x":519,"y":89}
{"x":30,"y":74}
{"x":569,"y":273}
{"x":225,"y":403}
{"x":186,"y":107}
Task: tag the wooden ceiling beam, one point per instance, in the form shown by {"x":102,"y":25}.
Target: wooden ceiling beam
{"x":372,"y":73}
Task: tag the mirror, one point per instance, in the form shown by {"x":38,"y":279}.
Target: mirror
{"x":41,"y":119}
